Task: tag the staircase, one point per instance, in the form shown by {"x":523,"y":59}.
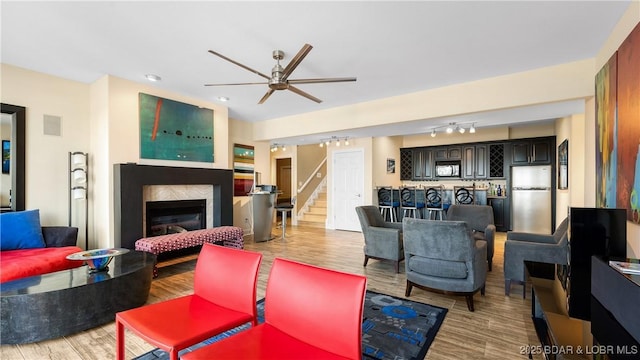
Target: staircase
{"x":316,"y":215}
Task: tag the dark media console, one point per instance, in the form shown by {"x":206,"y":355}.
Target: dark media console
{"x":592,"y":231}
{"x":615,"y":322}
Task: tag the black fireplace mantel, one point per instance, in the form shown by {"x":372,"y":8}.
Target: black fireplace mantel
{"x":129,"y":180}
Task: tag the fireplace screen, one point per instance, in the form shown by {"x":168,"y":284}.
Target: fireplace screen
{"x":170,"y":217}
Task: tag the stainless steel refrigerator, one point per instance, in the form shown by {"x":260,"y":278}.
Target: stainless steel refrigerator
{"x":531,"y":199}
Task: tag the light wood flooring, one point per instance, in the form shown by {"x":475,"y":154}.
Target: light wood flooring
{"x":497,"y":329}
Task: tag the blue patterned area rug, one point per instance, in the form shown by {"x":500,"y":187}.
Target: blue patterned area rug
{"x":392,"y":328}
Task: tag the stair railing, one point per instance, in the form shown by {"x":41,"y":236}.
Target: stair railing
{"x":313,"y":173}
{"x":311,"y":200}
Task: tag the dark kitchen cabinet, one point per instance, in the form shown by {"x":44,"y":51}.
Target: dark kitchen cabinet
{"x":448,"y":153}
{"x":422,"y":160}
{"x":499,"y":213}
{"x":474,"y":162}
{"x":496,"y":161}
{"x":532,"y":151}
{"x":406,"y":164}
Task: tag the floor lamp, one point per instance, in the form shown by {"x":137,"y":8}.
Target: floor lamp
{"x":79,"y":188}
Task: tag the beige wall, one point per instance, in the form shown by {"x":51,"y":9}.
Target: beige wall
{"x":482,"y":134}
{"x":241,"y":132}
{"x":386,"y":147}
{"x":572,"y":129}
{"x":556,"y":83}
{"x":47,"y":155}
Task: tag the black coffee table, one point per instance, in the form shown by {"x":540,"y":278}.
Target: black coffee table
{"x":49,"y":306}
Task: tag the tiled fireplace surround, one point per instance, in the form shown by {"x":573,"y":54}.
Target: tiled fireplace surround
{"x":135,"y":184}
{"x":177,"y":192}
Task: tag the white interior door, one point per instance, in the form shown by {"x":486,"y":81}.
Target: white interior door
{"x":348,"y":188}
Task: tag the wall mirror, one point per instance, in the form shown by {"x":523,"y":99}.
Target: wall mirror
{"x":12,"y":184}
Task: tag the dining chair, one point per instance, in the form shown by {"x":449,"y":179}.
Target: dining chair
{"x":434,"y":199}
{"x":310,"y":313}
{"x":224,"y":297}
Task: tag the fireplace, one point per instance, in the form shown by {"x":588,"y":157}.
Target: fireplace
{"x":175,"y":216}
{"x":130,"y":180}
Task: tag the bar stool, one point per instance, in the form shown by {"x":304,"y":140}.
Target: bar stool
{"x":434,"y":198}
{"x":388,"y":203}
{"x":284,"y":209}
{"x":464,"y":194}
{"x":410,"y":203}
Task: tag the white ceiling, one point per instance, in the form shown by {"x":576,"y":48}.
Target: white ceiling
{"x":393,"y":48}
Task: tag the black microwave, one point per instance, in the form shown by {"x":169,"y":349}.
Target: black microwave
{"x":448,"y":168}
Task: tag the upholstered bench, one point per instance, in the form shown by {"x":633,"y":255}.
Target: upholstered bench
{"x":229,"y":236}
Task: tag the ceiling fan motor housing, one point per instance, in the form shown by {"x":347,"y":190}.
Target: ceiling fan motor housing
{"x":276,"y":82}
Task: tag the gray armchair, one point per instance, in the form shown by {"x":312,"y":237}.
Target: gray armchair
{"x":382,"y":239}
{"x":520,"y":247}
{"x":443,"y":256}
{"x":480,"y":220}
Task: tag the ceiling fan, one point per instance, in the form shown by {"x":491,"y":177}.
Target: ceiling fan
{"x":279,"y":79}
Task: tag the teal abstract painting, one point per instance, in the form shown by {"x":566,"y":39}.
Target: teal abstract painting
{"x":172,"y":130}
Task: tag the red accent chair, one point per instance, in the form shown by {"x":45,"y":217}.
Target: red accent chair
{"x":224,"y":297}
{"x":310,"y":313}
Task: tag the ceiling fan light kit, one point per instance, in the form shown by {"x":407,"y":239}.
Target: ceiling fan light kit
{"x":279,"y":79}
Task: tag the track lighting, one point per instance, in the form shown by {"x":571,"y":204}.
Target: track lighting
{"x":153,"y":77}
{"x":451,"y":127}
{"x":338,"y":140}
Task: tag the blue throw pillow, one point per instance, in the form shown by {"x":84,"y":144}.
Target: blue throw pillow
{"x":21,"y":230}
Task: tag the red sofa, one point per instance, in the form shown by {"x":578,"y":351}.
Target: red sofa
{"x":59,"y":240}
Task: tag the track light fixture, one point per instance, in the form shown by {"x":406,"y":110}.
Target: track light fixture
{"x":452,"y":126}
{"x":276,"y":146}
{"x":334,"y":139}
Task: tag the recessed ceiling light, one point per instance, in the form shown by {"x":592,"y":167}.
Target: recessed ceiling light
{"x":223,"y":98}
{"x":152,"y":77}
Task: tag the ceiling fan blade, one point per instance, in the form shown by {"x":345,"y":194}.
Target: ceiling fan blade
{"x":296,"y":61}
{"x":266,"y":96}
{"x":232,"y":84}
{"x":241,"y":65}
{"x":321,"y":80}
{"x":302,"y":93}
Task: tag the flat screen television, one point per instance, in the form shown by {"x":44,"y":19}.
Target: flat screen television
{"x":592,"y":231}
